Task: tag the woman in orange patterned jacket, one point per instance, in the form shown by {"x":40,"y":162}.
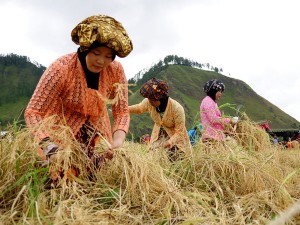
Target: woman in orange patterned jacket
{"x":76,"y":88}
{"x":169,"y":129}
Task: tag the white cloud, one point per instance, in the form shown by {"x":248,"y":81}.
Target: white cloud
{"x":255,"y":41}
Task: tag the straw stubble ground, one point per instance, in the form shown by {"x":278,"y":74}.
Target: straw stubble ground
{"x":244,"y":181}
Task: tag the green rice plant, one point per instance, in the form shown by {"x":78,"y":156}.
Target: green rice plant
{"x":110,"y":196}
{"x":36,"y":177}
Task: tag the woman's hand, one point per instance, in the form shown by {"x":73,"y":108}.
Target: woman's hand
{"x":167,"y":144}
{"x":118,"y":140}
{"x":49,"y":151}
{"x":109,"y":154}
{"x":234,"y":120}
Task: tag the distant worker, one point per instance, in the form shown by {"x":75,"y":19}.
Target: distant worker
{"x":211,"y":117}
{"x":169,"y":129}
{"x":289,"y":143}
{"x":275,"y":139}
{"x":194,"y":134}
{"x":145,"y":139}
{"x":265,"y":126}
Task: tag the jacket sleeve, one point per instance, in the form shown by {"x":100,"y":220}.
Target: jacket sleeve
{"x":46,"y":96}
{"x":140,"y":108}
{"x":120,"y":109}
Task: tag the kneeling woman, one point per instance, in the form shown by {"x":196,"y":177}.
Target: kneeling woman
{"x":169,"y":129}
{"x":76,"y":88}
{"x":211,"y":117}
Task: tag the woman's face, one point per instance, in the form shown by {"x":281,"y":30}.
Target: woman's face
{"x":218,"y":95}
{"x":154,"y":103}
{"x":98,"y":58}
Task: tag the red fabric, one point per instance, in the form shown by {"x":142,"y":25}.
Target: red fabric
{"x":154,"y":89}
{"x":265,"y":126}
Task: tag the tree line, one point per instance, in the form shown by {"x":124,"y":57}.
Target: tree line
{"x":18,"y":76}
{"x":144,"y":75}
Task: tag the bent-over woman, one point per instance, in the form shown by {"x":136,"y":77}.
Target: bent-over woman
{"x":169,"y":129}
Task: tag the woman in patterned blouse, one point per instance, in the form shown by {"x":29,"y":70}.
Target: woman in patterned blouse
{"x":211,"y":117}
{"x":76,"y":88}
{"x":169,"y":129}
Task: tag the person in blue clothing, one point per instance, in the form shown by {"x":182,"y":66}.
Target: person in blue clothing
{"x":194,"y":134}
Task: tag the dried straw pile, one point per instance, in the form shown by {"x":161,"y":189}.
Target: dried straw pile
{"x":245,"y":180}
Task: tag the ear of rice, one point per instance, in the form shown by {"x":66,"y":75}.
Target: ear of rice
{"x":246,"y":180}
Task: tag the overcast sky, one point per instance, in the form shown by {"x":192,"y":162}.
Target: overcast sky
{"x":256,"y":41}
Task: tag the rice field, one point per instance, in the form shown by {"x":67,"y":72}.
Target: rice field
{"x":245,"y":180}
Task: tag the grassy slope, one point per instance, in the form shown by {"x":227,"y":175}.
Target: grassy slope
{"x":13,"y":110}
{"x":186,"y":86}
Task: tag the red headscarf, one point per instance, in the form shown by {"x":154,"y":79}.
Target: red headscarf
{"x":154,"y":89}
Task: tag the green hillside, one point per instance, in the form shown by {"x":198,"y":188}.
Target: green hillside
{"x":186,"y":85}
{"x":19,"y":77}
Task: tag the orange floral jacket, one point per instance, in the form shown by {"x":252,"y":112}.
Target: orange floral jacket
{"x":62,"y":91}
{"x":173,"y":122}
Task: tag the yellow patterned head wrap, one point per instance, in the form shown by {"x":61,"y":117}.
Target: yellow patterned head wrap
{"x":104,"y":29}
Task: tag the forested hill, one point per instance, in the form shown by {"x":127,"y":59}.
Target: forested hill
{"x":187,"y":78}
{"x":146,"y":74}
{"x":19,"y":77}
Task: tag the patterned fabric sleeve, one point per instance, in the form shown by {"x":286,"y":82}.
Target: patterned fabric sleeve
{"x":179,"y":117}
{"x":213,"y":114}
{"x":140,"y":108}
{"x":226,"y":120}
{"x":46,"y":95}
{"x":120,"y":110}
